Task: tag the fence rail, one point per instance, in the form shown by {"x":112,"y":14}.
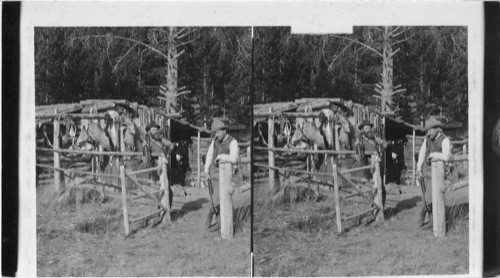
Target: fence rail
{"x":91,"y":152}
{"x":273,"y":149}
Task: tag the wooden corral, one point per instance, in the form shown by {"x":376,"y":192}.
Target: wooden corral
{"x":407,"y":137}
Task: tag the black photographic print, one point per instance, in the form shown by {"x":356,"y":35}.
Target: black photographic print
{"x":251,"y":139}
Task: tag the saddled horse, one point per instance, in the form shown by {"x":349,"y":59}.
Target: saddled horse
{"x":92,"y":138}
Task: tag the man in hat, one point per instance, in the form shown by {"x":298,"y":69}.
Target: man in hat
{"x":223,"y":148}
{"x":369,"y":143}
{"x":369,"y":146}
{"x":436,"y":146}
{"x":156,"y":150}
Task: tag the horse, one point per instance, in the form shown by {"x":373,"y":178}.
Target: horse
{"x":92,"y":137}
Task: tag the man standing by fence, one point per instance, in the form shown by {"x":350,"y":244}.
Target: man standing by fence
{"x":369,"y":146}
{"x":436,"y":146}
{"x":224,"y":148}
{"x":156,"y":150}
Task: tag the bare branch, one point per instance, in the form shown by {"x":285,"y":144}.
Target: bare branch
{"x":181,"y":31}
{"x":358,"y":42}
{"x":398,"y":91}
{"x":394,"y":30}
{"x":396,"y":51}
{"x":398,"y":34}
{"x":183,"y":93}
{"x":130,"y":40}
{"x":403,"y":40}
{"x":334,"y":59}
{"x":187,"y":42}
{"x":124,"y":55}
{"x":180,"y":53}
{"x":179,"y":37}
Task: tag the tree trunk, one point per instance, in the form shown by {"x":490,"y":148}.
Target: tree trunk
{"x":172,"y":71}
{"x":387,"y":73}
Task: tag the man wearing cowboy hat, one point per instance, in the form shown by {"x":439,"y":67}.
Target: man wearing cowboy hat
{"x":224,"y":148}
{"x":156,"y":150}
{"x":436,"y":146}
{"x":369,"y":146}
{"x":371,"y":143}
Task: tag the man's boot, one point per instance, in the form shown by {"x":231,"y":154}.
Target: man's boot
{"x":421,"y":219}
{"x":208,"y":222}
{"x":217,"y":225}
{"x":428,"y":225}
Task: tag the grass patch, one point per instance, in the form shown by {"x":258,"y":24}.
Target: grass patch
{"x":99,"y":225}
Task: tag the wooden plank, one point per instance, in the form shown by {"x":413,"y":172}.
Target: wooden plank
{"x":357,"y":169}
{"x":438,"y":204}
{"x":77,"y":116}
{"x":359,"y":214}
{"x":289,"y":114}
{"x":138,"y":185}
{"x":292,"y":170}
{"x":77,"y":171}
{"x":166,"y":197}
{"x":272,"y":149}
{"x":90,"y":152}
{"x":147,"y":217}
{"x":226,"y":200}
{"x":124,"y":200}
{"x":270,"y":140}
{"x":414,"y":162}
{"x":459,"y":185}
{"x":378,"y":184}
{"x":337,"y":198}
{"x":198,"y":160}
{"x":359,"y":191}
{"x":357,"y":194}
{"x":58,"y":183}
{"x":460,"y":158}
{"x":144,"y":171}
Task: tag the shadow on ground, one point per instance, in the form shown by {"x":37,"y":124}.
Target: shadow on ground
{"x":189,"y":207}
{"x":407,"y":204}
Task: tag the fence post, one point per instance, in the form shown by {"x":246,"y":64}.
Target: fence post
{"x":166,"y":189}
{"x":464,"y":148}
{"x":57,"y":162}
{"x":249,"y":155}
{"x":270,"y":141}
{"x":336,"y":197}
{"x":438,"y":204}
{"x":199,"y":158}
{"x":414,"y":164}
{"x":378,"y":183}
{"x":226,"y":202}
{"x":124,"y":200}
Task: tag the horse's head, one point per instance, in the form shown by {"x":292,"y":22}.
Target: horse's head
{"x":84,"y":141}
{"x":131,"y":136}
{"x":298,"y":136}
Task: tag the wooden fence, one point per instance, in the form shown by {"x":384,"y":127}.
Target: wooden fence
{"x":377,"y":203}
{"x":59,"y":172}
{"x":438,"y":194}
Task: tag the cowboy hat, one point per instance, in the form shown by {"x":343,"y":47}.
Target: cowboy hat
{"x":432,"y":123}
{"x":219,"y":124}
{"x":151,"y":125}
{"x":364,"y":123}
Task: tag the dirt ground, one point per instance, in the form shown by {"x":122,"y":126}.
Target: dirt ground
{"x":88,"y":240}
{"x":300,"y":239}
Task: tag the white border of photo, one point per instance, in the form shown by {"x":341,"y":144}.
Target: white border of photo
{"x":303,"y":17}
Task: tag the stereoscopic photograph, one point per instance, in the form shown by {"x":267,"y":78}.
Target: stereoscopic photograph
{"x":250,"y":139}
{"x":360,"y":152}
{"x":142,"y":155}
